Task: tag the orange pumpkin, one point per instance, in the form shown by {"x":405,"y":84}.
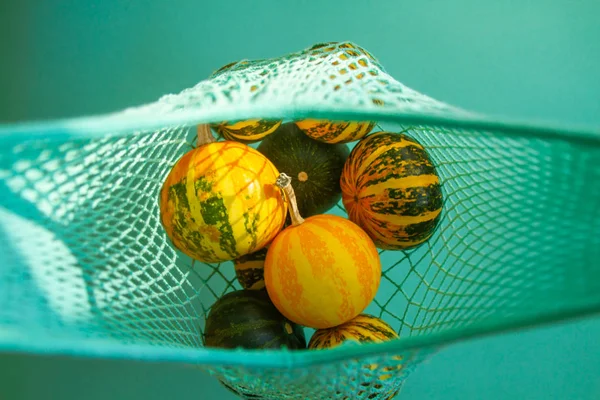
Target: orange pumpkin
{"x":219,"y":201}
{"x":321,"y":271}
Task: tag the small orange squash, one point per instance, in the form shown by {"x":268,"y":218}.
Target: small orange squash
{"x":321,"y":271}
{"x":219,"y":201}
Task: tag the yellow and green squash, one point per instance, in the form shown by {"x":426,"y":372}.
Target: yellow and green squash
{"x":333,"y":131}
{"x":364,"y":328}
{"x":391,"y":189}
{"x":248,"y":131}
{"x":219,"y":201}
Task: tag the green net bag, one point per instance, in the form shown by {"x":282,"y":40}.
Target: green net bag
{"x":87,"y":269}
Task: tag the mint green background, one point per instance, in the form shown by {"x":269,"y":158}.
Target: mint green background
{"x":531,"y":59}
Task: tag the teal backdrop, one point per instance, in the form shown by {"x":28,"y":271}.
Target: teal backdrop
{"x":535,"y":59}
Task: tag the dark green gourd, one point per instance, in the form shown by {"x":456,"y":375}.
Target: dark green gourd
{"x":248,"y":319}
{"x":315,"y":167}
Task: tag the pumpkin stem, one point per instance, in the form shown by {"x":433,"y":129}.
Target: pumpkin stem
{"x":285,"y":182}
{"x":205,"y":135}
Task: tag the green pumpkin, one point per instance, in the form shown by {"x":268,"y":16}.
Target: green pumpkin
{"x":248,"y":319}
{"x":315,"y":167}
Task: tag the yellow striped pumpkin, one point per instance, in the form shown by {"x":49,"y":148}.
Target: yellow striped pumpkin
{"x":249,"y":270}
{"x":219,"y":202}
{"x":391,"y":189}
{"x":322,"y":271}
{"x":248,"y":131}
{"x":335,"y":132}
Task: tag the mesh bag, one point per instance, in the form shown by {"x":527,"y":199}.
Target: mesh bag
{"x":87,"y":269}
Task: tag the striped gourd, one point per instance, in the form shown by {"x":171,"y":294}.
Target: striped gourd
{"x":248,"y":319}
{"x":245,"y":131}
{"x":248,"y":131}
{"x":249,"y":270}
{"x":219,"y":202}
{"x":364,"y":328}
{"x":390,"y":188}
{"x":335,"y":132}
{"x":322,"y":271}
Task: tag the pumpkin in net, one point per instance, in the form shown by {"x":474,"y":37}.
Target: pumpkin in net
{"x":314,"y":167}
{"x":391,"y":189}
{"x":219,"y":202}
{"x":364,"y":328}
{"x":244,"y":131}
{"x":321,"y":271}
{"x":248,"y":131}
{"x":247,"y":319}
{"x":333,"y":131}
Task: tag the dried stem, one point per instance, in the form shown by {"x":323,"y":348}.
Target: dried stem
{"x":205,"y":135}
{"x":285,"y":182}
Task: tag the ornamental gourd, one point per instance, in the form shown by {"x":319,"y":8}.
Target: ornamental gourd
{"x":248,"y":319}
{"x":315,"y":167}
{"x":364,"y":328}
{"x":333,"y":131}
{"x":248,"y":131}
{"x":391,"y":189}
{"x":219,"y":202}
{"x":321,"y":271}
{"x":244,"y":131}
{"x":249,"y":270}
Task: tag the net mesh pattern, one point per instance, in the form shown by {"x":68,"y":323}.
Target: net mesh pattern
{"x":325,"y":77}
{"x":85,"y":257}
